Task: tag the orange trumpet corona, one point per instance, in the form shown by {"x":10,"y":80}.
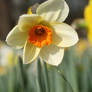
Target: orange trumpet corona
{"x":40,"y":35}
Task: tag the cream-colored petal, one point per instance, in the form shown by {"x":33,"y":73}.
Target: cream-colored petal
{"x":52,"y":54}
{"x":27,"y":21}
{"x":64,"y":35}
{"x":16,"y":38}
{"x":53,"y":10}
{"x":30,"y":53}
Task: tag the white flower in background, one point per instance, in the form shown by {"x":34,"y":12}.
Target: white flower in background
{"x":7,"y":57}
{"x":5,"y":53}
{"x":43,"y":34}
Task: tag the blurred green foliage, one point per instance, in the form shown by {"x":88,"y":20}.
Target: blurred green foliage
{"x":72,"y":75}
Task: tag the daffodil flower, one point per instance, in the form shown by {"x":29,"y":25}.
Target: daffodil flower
{"x":88,"y":18}
{"x":43,"y":34}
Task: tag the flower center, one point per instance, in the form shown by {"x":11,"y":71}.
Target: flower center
{"x":40,"y":35}
{"x":39,"y":31}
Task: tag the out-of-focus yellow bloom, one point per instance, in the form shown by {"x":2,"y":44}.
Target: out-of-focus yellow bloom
{"x":90,"y":34}
{"x":29,"y":10}
{"x":88,"y":18}
{"x":88,"y":13}
{"x":81,"y":47}
{"x":3,"y":71}
{"x":44,"y":34}
{"x":12,"y":60}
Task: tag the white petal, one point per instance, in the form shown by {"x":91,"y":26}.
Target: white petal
{"x":30,"y":53}
{"x":53,"y":10}
{"x":64,"y":35}
{"x":16,"y":38}
{"x":52,"y":54}
{"x":27,"y":21}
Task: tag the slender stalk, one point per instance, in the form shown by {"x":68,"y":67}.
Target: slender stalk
{"x":22,"y":75}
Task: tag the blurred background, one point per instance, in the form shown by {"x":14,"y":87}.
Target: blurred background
{"x":73,"y":75}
